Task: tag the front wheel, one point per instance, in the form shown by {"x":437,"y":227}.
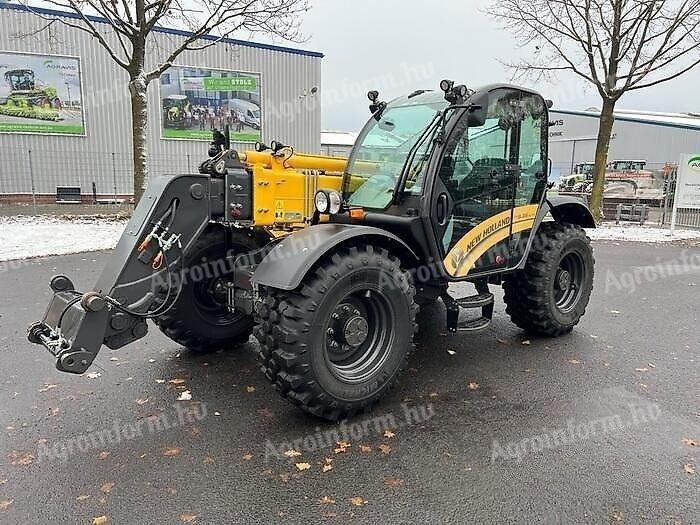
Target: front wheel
{"x":201,"y":319}
{"x":336,"y":344}
{"x":549,"y":296}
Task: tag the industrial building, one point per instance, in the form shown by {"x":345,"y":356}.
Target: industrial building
{"x":337,"y":143}
{"x":80,"y":137}
{"x":657,"y":138}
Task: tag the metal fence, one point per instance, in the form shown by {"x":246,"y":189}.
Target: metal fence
{"x":32,"y":177}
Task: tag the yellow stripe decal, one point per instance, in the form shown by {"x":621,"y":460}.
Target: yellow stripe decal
{"x":463,"y":255}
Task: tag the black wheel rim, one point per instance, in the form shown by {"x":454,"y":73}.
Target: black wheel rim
{"x":568,"y":281}
{"x":210,"y":293}
{"x":359,"y":335}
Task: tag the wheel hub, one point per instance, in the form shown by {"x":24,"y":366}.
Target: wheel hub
{"x":356,"y":330}
{"x":564,"y":280}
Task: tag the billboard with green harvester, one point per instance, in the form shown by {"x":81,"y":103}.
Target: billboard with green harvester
{"x":40,"y":94}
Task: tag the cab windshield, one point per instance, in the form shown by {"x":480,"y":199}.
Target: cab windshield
{"x":383,"y":147}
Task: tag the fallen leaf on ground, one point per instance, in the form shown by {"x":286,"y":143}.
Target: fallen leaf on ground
{"x":325,"y":500}
{"x":358,"y":501}
{"x":188,"y":518}
{"x":99,"y":520}
{"x":303,"y":466}
{"x":365,"y":449}
{"x":292,"y":453}
{"x":393,"y":482}
{"x":473,"y":386}
{"x":690,"y":442}
{"x":250,"y":389}
{"x":574,"y":361}
{"x":107,"y":487}
{"x":142,"y":401}
{"x":342,"y":446}
{"x":385,"y":449}
{"x":247,"y":457}
{"x":82,"y":497}
{"x":186,"y":395}
{"x":689,"y":468}
{"x":173,"y":451}
{"x":47,"y":387}
{"x":103,"y":455}
{"x":177,"y":381}
{"x":388,"y":434}
{"x":327,"y":467}
{"x":4,"y":504}
{"x":23,"y":460}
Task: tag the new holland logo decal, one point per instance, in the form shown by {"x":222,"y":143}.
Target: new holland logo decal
{"x":463,"y":255}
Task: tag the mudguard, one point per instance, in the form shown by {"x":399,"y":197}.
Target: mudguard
{"x":290,"y":260}
{"x":565,"y":208}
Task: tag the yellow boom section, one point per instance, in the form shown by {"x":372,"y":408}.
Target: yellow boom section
{"x":284,"y":184}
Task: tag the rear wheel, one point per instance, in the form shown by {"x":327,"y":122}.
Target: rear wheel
{"x":200,"y":319}
{"x":549,"y":296}
{"x":337,"y":343}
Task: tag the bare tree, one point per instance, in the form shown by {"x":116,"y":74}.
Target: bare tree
{"x":618,"y":46}
{"x":128,"y":38}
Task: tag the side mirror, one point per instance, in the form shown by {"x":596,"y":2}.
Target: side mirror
{"x":476,"y":116}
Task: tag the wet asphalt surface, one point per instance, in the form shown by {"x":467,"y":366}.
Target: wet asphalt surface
{"x":598,"y":426}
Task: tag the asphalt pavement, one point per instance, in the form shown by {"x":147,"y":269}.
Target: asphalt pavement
{"x":599,"y":426}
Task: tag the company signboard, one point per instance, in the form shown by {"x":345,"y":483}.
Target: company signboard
{"x":688,"y":182}
{"x":193,"y":101}
{"x":40,"y":94}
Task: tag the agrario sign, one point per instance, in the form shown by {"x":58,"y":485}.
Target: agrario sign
{"x":688,"y":183}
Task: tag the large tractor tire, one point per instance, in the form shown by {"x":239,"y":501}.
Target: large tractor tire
{"x":549,"y":296}
{"x":338,"y":342}
{"x":200,"y":319}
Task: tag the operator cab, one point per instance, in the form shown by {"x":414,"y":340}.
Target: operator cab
{"x":459,"y":176}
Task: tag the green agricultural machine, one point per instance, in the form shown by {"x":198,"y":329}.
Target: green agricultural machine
{"x":27,"y":100}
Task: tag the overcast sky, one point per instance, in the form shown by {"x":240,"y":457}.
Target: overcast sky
{"x":398,"y":46}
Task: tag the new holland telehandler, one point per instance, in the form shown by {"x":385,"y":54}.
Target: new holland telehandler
{"x":325,"y":260}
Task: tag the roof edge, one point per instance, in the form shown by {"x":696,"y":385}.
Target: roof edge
{"x":166,"y":30}
{"x":623,"y":118}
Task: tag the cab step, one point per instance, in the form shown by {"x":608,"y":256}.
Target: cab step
{"x":483,"y":299}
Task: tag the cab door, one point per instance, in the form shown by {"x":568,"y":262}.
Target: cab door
{"x":475,"y":187}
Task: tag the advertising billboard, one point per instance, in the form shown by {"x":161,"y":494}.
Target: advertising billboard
{"x":40,"y":94}
{"x":194,"y":101}
{"x":688,"y":182}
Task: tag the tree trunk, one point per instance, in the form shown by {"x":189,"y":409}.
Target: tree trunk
{"x":139,"y":131}
{"x":607,"y":119}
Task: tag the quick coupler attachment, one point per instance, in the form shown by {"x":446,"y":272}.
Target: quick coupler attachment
{"x":73,"y":326}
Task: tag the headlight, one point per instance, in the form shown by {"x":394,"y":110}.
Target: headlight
{"x":321,"y":201}
{"x":335,"y":201}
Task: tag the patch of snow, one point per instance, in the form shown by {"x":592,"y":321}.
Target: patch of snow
{"x":636,"y":233}
{"x":25,"y":237}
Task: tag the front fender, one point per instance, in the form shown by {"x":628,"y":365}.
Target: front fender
{"x":285,"y":266}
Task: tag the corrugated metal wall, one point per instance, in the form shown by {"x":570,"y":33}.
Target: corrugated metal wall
{"x":655,"y":143}
{"x":104,"y":156}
